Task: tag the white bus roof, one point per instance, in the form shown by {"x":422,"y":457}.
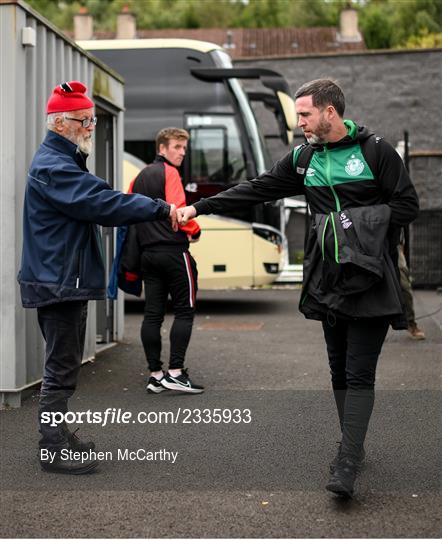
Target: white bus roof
{"x":109,"y":44}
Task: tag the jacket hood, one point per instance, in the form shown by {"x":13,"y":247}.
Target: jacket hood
{"x":355,"y":132}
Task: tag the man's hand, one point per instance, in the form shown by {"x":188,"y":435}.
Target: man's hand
{"x":185,"y":214}
{"x":173,"y":217}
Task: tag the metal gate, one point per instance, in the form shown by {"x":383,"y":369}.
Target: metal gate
{"x":425,"y":249}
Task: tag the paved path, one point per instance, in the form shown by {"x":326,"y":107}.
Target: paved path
{"x":252,"y":350}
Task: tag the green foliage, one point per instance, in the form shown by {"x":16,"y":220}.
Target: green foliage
{"x":417,"y":17}
{"x":197,"y":13}
{"x":310,"y":13}
{"x":376,"y":24}
{"x":425,"y":41}
{"x":258,"y":14}
{"x":289,"y":13}
{"x":394,"y":23}
{"x":59,"y":14}
{"x":384,"y":23}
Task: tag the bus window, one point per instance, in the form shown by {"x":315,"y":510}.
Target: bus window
{"x":216,"y":153}
{"x":208,"y":154}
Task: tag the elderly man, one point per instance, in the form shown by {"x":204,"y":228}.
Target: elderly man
{"x":359,"y":194}
{"x":62,"y":265}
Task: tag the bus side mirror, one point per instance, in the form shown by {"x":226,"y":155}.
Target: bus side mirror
{"x":269,"y":78}
{"x":273,"y":104}
{"x":286,"y":105}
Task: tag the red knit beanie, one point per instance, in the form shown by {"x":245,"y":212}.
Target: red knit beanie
{"x":69,"y":96}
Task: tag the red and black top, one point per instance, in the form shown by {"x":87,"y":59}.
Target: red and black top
{"x":161,"y":180}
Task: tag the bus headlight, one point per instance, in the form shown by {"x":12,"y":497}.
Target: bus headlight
{"x":271,"y":268}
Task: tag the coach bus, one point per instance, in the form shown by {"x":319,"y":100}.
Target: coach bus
{"x":192,"y":84}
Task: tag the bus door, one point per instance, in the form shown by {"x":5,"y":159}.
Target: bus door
{"x":215,"y":161}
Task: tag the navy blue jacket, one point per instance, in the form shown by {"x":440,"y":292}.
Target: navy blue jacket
{"x":62,"y":253}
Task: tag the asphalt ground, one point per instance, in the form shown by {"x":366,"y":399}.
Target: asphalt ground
{"x":265,"y":477}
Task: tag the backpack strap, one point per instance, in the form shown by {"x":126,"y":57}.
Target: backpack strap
{"x":302,"y":158}
{"x":301,"y":161}
{"x":369,"y":148}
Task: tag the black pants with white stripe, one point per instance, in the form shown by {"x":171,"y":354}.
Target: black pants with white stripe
{"x":164,"y":273}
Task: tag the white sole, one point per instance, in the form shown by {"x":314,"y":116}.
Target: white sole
{"x":180,"y":388}
{"x":154,"y":389}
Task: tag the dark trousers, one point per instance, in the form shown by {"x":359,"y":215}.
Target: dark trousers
{"x":165,"y":273}
{"x":407,"y":291}
{"x":63,"y":326}
{"x":353,"y":348}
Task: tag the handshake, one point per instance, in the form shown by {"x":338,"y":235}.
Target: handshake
{"x":180,"y":216}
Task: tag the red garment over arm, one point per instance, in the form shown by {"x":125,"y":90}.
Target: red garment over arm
{"x":175,"y":195}
{"x":131,"y":185}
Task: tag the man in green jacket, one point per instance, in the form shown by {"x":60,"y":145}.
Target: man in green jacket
{"x":340,"y":176}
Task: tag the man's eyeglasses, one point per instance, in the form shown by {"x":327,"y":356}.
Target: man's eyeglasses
{"x":86,"y":122}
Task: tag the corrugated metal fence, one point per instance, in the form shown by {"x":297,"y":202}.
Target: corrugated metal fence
{"x":34,"y":57}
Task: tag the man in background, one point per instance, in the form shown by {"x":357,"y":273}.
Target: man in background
{"x":413,"y":329}
{"x":167,"y":267}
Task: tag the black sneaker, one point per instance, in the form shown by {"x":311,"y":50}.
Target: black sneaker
{"x":182,"y":383}
{"x":343,"y":479}
{"x":154,"y":386}
{"x":66,"y":464}
{"x":334,"y":463}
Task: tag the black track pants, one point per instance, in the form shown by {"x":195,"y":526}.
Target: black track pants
{"x":63,"y":326}
{"x":353,"y":350}
{"x":165,"y":273}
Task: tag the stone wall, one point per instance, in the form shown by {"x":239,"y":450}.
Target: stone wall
{"x":389,"y":92}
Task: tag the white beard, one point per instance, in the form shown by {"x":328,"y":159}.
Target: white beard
{"x":320,"y":137}
{"x":85,"y":145}
{"x":314,"y":139}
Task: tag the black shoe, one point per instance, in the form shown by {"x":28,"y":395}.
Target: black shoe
{"x":343,"y":479}
{"x":154,"y":386}
{"x":334,"y":463}
{"x":182,"y":383}
{"x":76,"y":444}
{"x":64,"y":463}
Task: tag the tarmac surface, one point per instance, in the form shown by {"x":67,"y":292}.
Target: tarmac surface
{"x":252,"y":451}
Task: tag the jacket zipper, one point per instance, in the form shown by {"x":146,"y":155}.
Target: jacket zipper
{"x":328,"y":175}
{"x":338,"y":203}
{"x":77,"y":282}
{"x":330,"y":217}
{"x":338,"y":209}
